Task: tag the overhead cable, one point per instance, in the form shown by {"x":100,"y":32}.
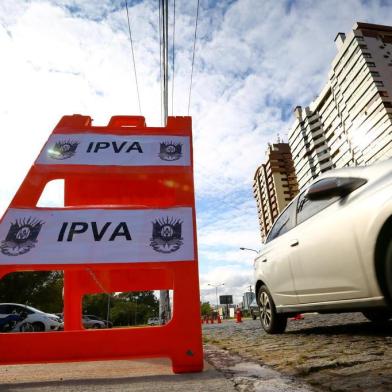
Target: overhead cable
{"x":193,"y":55}
{"x":133,"y":57}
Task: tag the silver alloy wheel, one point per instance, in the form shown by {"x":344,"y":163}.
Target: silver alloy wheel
{"x":265,"y":310}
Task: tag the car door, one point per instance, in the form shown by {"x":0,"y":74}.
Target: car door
{"x":325,"y":258}
{"x":273,"y":264}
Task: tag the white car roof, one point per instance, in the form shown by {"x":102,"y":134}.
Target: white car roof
{"x":369,"y":172}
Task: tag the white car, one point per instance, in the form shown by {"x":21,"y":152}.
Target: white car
{"x":330,"y":250}
{"x":39,"y":320}
{"x":153,"y":321}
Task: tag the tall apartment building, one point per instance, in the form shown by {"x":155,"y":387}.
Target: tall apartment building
{"x":350,"y":123}
{"x":274,"y":185}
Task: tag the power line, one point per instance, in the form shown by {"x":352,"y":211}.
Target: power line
{"x":133,"y":57}
{"x":193,"y":56}
{"x":174,"y":35}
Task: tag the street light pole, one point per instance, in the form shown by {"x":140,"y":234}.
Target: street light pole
{"x":136,"y":298}
{"x":216,"y":285}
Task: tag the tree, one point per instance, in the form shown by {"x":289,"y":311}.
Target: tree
{"x":97,"y":304}
{"x":128,"y":308}
{"x":205,"y":309}
{"x":41,"y":289}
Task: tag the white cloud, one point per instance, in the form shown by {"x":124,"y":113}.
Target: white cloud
{"x":236,"y":281}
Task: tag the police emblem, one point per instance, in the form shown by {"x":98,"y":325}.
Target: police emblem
{"x":170,"y":151}
{"x":63,"y":149}
{"x":21,"y":237}
{"x":166,"y":235}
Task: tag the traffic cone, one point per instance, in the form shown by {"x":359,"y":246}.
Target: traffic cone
{"x":239,"y":316}
{"x":297,"y":317}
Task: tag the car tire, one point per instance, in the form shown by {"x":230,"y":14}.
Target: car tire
{"x":38,"y":327}
{"x":271,"y":321}
{"x":26,"y":327}
{"x":379,"y":315}
{"x":96,"y":326}
{"x":388,"y":269}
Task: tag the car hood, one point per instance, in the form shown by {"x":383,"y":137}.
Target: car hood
{"x":51,"y":315}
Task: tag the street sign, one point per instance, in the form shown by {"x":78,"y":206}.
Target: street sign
{"x":225,"y":299}
{"x":128,"y":224}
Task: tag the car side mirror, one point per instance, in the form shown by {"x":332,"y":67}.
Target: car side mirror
{"x":334,"y":186}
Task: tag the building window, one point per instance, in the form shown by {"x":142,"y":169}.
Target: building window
{"x":324,"y":161}
{"x":367,"y":55}
{"x":370,"y":64}
{"x":379,"y":83}
{"x":375,"y":73}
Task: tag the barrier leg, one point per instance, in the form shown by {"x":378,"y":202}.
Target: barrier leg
{"x":72,"y":302}
{"x":186,"y":344}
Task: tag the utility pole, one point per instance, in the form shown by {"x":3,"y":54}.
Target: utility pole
{"x":164,"y":298}
{"x":216,"y":291}
{"x":165,"y":58}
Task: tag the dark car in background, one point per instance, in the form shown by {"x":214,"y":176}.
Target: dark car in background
{"x":254,"y":309}
{"x":92,"y":318}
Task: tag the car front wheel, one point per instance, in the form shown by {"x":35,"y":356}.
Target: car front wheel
{"x":38,"y":327}
{"x":388,"y":269}
{"x":271,"y":321}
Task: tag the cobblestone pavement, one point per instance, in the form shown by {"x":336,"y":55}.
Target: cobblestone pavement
{"x":328,"y":352}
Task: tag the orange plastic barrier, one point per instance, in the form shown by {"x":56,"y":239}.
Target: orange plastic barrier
{"x":106,"y":174}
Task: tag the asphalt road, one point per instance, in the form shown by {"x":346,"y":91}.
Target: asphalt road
{"x":320,"y":353}
{"x":326,"y":352}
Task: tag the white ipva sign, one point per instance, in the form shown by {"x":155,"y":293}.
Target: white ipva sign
{"x":114,"y":150}
{"x":66,"y":236}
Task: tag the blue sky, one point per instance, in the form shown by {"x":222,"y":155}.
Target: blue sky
{"x":256,"y":60}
